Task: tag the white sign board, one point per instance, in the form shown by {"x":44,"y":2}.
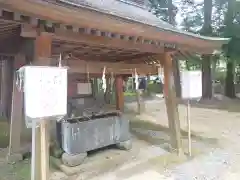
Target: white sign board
{"x":191,"y":84}
{"x":45,"y":92}
{"x":84,"y":88}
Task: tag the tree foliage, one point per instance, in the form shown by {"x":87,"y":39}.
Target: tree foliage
{"x":223,"y":21}
{"x":161,"y":9}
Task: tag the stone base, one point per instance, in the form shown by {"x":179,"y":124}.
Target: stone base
{"x":12,"y":158}
{"x":73,"y":160}
{"x":126,"y":145}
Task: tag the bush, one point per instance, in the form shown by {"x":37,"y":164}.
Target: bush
{"x":155,"y":88}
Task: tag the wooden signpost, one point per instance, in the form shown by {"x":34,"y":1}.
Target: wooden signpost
{"x":45,"y":98}
{"x":191,"y":89}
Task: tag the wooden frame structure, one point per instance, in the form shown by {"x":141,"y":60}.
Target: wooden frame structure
{"x":93,"y":35}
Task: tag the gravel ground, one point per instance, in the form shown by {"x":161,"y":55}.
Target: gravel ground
{"x":219,"y":119}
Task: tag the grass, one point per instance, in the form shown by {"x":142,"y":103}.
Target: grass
{"x":19,"y":170}
{"x":129,"y":93}
{"x":155,"y":88}
{"x":15,"y":171}
{"x":4,"y":134}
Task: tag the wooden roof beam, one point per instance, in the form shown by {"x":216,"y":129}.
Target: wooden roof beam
{"x":94,"y":40}
{"x":79,"y":66}
{"x":105,"y":41}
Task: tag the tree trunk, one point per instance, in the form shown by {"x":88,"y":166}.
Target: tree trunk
{"x":171,"y":18}
{"x":177,"y":79}
{"x":229,"y":81}
{"x":206,"y":60}
{"x":214,"y":65}
{"x":206,"y":77}
{"x":176,"y":70}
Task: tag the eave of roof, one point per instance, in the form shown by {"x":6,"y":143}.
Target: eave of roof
{"x":135,"y":13}
{"x":118,"y":16}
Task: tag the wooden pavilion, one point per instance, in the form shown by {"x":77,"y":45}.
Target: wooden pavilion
{"x":121,"y":35}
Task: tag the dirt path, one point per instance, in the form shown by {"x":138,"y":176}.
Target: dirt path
{"x":217,"y":119}
{"x":216,"y":129}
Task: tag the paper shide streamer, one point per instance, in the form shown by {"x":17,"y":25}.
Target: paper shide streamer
{"x":104,"y":84}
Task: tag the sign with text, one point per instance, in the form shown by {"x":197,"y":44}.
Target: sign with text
{"x":45,"y":92}
{"x":84,"y":88}
{"x":191,"y":84}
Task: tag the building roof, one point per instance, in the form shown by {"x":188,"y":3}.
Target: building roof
{"x":114,"y":16}
{"x":134,"y":13}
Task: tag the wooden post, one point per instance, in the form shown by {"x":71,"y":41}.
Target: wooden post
{"x":44,"y":136}
{"x":171,"y":104}
{"x":107,"y":93}
{"x":16,"y":124}
{"x":14,"y":153}
{"x":119,"y":93}
{"x":113,"y":91}
{"x":140,"y":101}
{"x":95,"y":87}
{"x":6,"y":88}
{"x":147,"y":85}
{"x":43,"y":44}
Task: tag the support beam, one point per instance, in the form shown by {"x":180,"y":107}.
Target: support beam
{"x":14,"y":153}
{"x":171,"y":104}
{"x":119,"y":93}
{"x":40,"y":55}
{"x":93,"y":40}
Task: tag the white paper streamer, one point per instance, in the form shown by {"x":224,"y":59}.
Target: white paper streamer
{"x":136,"y":79}
{"x":104,"y":84}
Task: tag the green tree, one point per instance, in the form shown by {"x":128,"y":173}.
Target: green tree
{"x":206,"y":59}
{"x":166,"y":10}
{"x":231,"y":50}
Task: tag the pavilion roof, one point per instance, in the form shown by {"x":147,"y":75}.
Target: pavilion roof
{"x":117,"y":17}
{"x":137,"y":14}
